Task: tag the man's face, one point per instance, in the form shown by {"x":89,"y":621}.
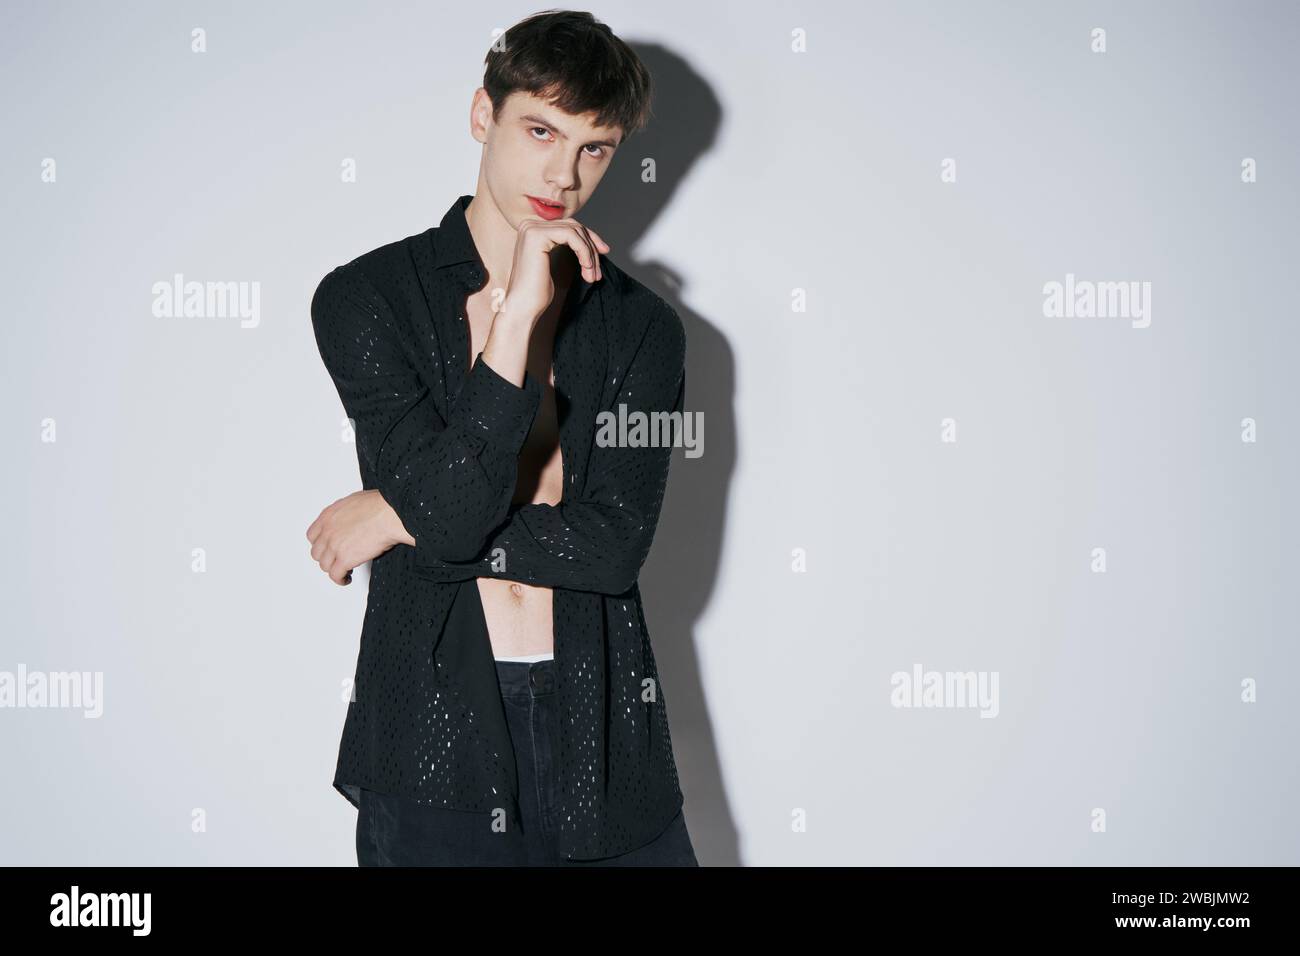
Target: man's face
{"x":534,"y":149}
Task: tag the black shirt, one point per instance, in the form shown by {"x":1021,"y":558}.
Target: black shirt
{"x":441,"y":442}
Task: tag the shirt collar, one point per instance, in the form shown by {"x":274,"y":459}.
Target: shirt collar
{"x":454,"y":246}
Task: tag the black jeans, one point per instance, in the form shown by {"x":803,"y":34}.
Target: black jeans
{"x":395,"y":831}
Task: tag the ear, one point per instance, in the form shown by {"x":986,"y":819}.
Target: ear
{"x":480,"y":114}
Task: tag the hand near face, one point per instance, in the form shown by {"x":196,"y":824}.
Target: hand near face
{"x":531,"y":285}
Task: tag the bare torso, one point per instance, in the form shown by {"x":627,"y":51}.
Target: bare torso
{"x":519,"y":616}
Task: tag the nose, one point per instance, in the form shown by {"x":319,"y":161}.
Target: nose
{"x":561,"y":176}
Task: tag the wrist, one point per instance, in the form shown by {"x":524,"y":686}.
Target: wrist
{"x":397,"y":533}
{"x":394,"y":532}
{"x":514,"y":319}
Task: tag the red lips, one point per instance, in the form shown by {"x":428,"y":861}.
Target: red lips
{"x":545,"y":210}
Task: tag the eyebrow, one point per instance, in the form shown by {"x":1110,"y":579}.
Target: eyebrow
{"x":534,"y":118}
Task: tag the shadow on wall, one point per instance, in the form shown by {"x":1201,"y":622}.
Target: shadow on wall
{"x":679,"y":575}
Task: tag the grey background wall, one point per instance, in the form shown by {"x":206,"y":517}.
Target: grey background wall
{"x":908,"y":463}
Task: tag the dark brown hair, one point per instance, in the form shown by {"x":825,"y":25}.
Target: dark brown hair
{"x":576,"y":63}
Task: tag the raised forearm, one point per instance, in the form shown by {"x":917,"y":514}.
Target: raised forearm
{"x":506,"y":349}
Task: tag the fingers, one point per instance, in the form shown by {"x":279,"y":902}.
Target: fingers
{"x":325,"y":553}
{"x":599,"y":241}
{"x":590,"y":261}
{"x":586,"y":243}
{"x":340,"y":574}
{"x":330,"y":562}
{"x":597,"y":245}
{"x":316,"y":527}
{"x":577,"y":239}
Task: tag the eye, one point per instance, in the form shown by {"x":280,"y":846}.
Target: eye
{"x":599,"y":150}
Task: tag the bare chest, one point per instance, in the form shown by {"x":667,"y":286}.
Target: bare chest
{"x":520,"y":616}
{"x":541,"y":465}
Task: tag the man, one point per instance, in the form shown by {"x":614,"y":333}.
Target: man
{"x":506,"y":707}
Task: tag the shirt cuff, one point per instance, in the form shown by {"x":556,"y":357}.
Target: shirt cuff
{"x":495,"y":409}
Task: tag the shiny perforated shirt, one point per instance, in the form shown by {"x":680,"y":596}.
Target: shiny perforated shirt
{"x":440,"y":442}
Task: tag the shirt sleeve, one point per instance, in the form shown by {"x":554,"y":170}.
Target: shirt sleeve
{"x":599,"y":541}
{"x":450,"y":482}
